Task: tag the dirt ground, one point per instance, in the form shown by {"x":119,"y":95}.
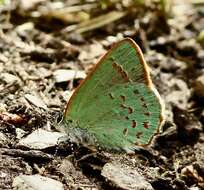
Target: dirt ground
{"x":43,"y":44}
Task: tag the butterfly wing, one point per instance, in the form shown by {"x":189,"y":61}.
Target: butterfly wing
{"x":116,"y":104}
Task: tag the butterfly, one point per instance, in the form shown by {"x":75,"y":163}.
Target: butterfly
{"x":116,"y":107}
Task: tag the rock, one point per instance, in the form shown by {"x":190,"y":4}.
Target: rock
{"x":90,"y":53}
{"x":28,"y":26}
{"x":190,"y":172}
{"x":124,"y":177}
{"x":164,"y":63}
{"x":9,"y":78}
{"x":2,"y":107}
{"x":75,"y":178}
{"x":195,"y":169}
{"x":37,"y":101}
{"x":40,"y":139}
{"x":175,"y":91}
{"x":188,"y":126}
{"x":168,"y":140}
{"x":63,"y":75}
{"x":3,"y":139}
{"x":68,"y":170}
{"x":3,"y":59}
{"x":20,"y":133}
{"x":33,"y":182}
{"x":198,"y":86}
{"x":194,"y":188}
{"x":66,"y":95}
{"x":180,"y":94}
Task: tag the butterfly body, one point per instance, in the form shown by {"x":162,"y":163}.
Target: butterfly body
{"x":116,"y":106}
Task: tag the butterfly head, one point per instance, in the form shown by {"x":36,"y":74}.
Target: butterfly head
{"x":77,"y":135}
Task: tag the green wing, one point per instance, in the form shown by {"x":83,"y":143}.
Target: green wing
{"x":116,"y":105}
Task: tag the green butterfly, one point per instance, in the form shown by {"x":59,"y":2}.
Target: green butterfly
{"x":116,"y":107}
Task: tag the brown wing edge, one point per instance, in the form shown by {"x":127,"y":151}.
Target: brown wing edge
{"x":151,"y":87}
{"x":147,"y":78}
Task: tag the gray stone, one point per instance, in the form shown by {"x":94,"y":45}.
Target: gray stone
{"x":9,"y":78}
{"x":20,"y":133}
{"x":63,"y":75}
{"x":125,"y":177}
{"x":3,"y":139}
{"x":36,"y":182}
{"x":41,"y":139}
{"x":35,"y":100}
{"x":74,"y":177}
{"x":175,"y":91}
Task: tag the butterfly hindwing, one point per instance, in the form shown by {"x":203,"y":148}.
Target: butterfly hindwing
{"x":131,"y":117}
{"x":116,"y":103}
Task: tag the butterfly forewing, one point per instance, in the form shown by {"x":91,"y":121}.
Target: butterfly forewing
{"x":116,"y":103}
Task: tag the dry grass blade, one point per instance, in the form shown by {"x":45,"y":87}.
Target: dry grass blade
{"x":197,"y":2}
{"x":77,"y":8}
{"x":97,"y":22}
{"x":73,"y":14}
